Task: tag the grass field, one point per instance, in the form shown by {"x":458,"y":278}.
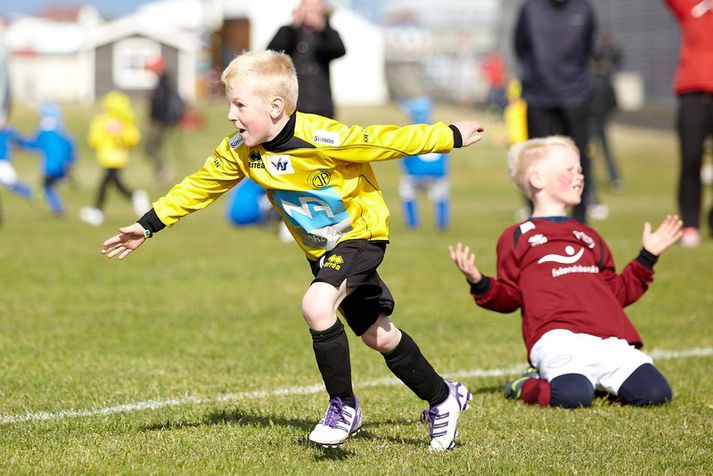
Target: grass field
{"x":191,"y":356}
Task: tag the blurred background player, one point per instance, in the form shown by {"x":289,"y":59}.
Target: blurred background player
{"x":58,"y":153}
{"x":427,"y":172}
{"x":604,"y":104}
{"x":694,"y":123}
{"x":113,"y":134}
{"x":10,"y":138}
{"x":165,"y":113}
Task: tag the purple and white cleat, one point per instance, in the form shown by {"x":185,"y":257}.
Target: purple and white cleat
{"x":339,"y":423}
{"x":442,"y":418}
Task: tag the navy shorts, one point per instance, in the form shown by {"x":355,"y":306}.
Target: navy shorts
{"x":356,"y":261}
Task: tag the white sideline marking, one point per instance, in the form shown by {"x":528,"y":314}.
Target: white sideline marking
{"x":659,"y":354}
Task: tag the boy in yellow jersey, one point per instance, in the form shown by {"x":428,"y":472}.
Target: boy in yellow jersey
{"x":316,"y":173}
{"x":113,"y":134}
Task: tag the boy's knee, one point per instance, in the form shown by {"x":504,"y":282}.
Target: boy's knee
{"x":571,"y":391}
{"x":382,"y":335}
{"x":646,"y":386}
{"x":318,"y":308}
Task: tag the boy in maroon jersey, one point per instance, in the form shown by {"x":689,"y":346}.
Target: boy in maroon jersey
{"x":561,"y":274}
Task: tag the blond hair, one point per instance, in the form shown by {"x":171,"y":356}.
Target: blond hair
{"x":270,"y":73}
{"x":523,"y":156}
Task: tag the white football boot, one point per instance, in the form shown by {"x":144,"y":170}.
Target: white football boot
{"x":339,"y":423}
{"x":442,"y":418}
{"x":91,"y":215}
{"x":141,"y":203}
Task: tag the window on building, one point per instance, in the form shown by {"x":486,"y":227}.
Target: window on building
{"x":130,"y":58}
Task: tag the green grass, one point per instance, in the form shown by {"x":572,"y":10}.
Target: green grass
{"x":206,"y":310}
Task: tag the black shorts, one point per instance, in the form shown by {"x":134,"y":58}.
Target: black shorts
{"x":356,"y":261}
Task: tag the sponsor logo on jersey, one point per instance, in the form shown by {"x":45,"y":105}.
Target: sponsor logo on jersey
{"x":235,"y":141}
{"x":366,"y":137}
{"x":319,"y":179}
{"x":334,"y":262}
{"x":319,"y":216}
{"x":538,"y":239}
{"x":255,"y":160}
{"x":580,"y":235}
{"x":570,"y":258}
{"x":217,"y":161}
{"x":280,"y":165}
{"x":324,"y":136}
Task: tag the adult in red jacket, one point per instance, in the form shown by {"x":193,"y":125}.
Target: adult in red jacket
{"x":694,"y":87}
{"x":561,"y":275}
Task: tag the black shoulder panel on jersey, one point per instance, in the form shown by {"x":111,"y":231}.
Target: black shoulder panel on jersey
{"x":516,"y":236}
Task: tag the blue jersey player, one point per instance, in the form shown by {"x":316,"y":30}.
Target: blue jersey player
{"x":426,"y":172}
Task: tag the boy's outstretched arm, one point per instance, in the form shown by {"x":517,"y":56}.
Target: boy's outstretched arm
{"x":470,"y":132}
{"x":129,"y":238}
{"x":465,"y":261}
{"x":666,"y":234}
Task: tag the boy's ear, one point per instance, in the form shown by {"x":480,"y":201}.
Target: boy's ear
{"x":277,"y":107}
{"x":535,"y":180}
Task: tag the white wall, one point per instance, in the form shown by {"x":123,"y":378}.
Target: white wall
{"x":46,"y":78}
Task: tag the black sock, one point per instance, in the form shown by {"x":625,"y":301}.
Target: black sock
{"x":331,"y":349}
{"x":408,"y":364}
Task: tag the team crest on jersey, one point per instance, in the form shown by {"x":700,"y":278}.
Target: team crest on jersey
{"x":235,"y":141}
{"x":319,"y":179}
{"x":280,"y":165}
{"x":323,"y":136}
{"x":580,"y":235}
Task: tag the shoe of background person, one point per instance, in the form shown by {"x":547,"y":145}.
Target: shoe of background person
{"x":339,"y":423}
{"x":691,"y":237}
{"x":513,"y":389}
{"x":91,"y":215}
{"x":141,"y":203}
{"x":617,"y":186}
{"x":443,"y":418}
{"x":598,"y":211}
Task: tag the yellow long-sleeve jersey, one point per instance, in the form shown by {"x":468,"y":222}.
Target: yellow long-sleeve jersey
{"x":316,"y":173}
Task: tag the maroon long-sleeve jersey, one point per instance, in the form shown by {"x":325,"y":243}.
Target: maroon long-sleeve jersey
{"x":561,"y":274}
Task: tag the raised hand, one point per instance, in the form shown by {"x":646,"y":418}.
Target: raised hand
{"x":665,"y":235}
{"x":470,"y":131}
{"x":465,"y":261}
{"x":129,"y":238}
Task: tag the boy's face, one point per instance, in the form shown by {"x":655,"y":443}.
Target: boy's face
{"x":561,"y":176}
{"x":250,"y":113}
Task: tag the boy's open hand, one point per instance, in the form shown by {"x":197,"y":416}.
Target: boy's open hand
{"x":470,"y":131}
{"x":665,"y":235}
{"x":129,"y":238}
{"x":465,"y":260}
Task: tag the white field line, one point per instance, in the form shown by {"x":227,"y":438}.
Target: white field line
{"x":657,"y":354}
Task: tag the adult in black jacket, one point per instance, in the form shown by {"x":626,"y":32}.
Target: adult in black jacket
{"x":554,"y":40}
{"x":312,"y":44}
{"x":166,"y":111}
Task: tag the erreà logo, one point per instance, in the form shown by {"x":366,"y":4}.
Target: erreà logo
{"x":235,"y":141}
{"x":323,"y":136}
{"x":334,"y":262}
